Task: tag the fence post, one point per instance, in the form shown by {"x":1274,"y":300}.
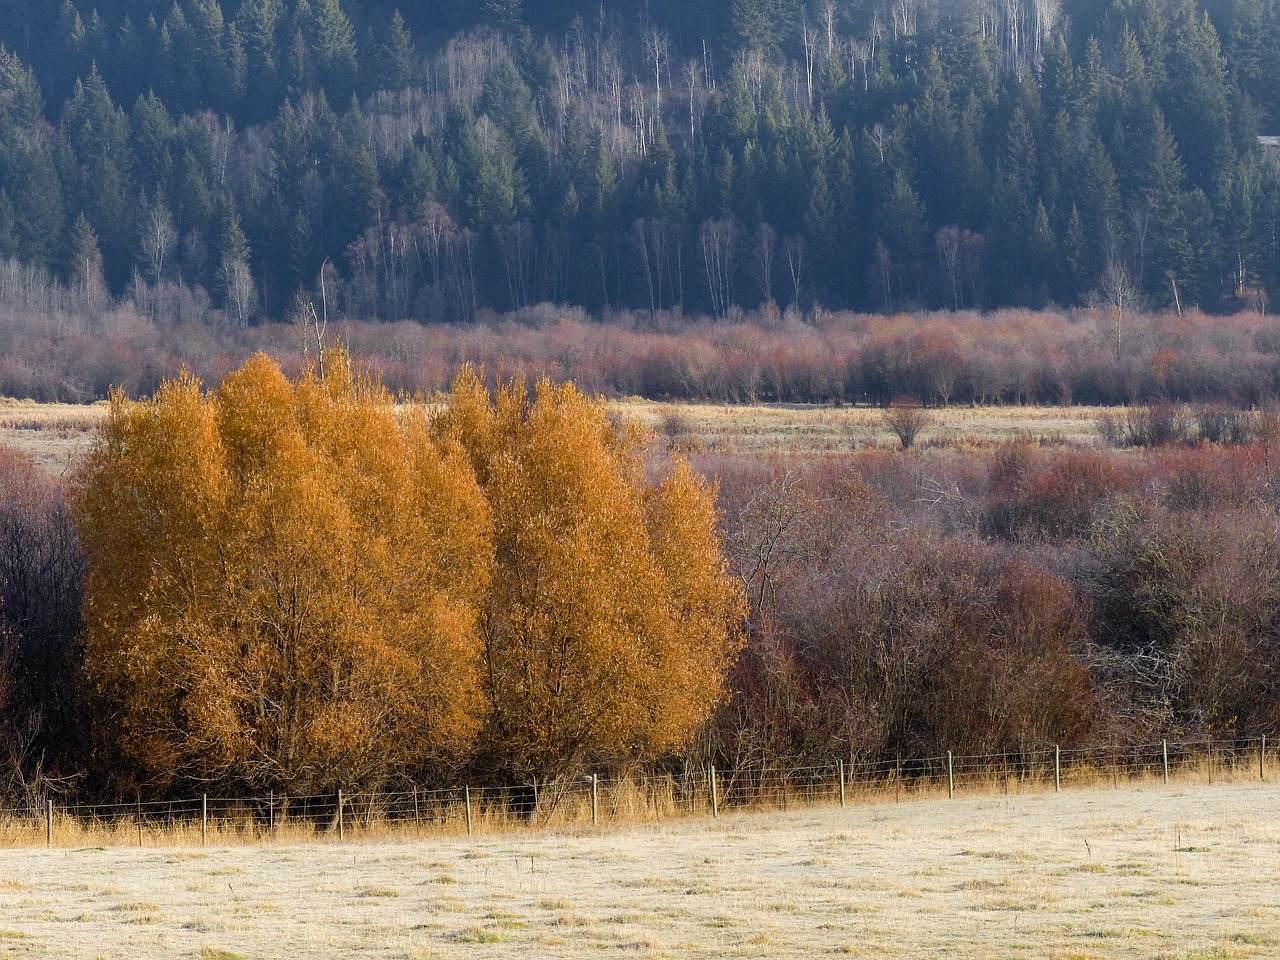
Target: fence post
{"x":204,"y":819}
{"x":715,"y":796}
{"x":1057,"y":769}
{"x":1164,"y":753}
{"x":342,"y":830}
{"x":951,"y":779}
{"x":466,"y":796}
{"x":841,"y":765}
{"x":1262,"y":759}
{"x":1210,"y":764}
{"x":595,"y":800}
{"x":48,"y":823}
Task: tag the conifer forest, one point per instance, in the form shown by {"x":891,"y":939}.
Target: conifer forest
{"x":448,"y":160}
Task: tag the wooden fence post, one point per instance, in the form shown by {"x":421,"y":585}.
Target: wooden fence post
{"x":48,"y":823}
{"x":1057,"y":769}
{"x":595,"y":800}
{"x":841,"y":765}
{"x":1262,"y":759}
{"x":342,"y":830}
{"x":951,"y":780}
{"x":466,"y":796}
{"x":1164,"y":754}
{"x":715,"y":796}
{"x":204,"y":819}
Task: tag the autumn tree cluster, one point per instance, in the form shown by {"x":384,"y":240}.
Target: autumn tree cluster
{"x":294,"y":584}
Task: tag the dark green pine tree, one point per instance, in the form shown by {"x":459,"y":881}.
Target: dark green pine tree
{"x":821,"y":231}
{"x":38,"y":201}
{"x":152,"y":131}
{"x":1195,"y":101}
{"x":415,"y":179}
{"x":97,"y":133}
{"x":505,"y":15}
{"x":259,"y":23}
{"x":210,"y":56}
{"x":397,"y":60}
{"x":1078,"y":268}
{"x":761,"y":24}
{"x":901,"y":232}
{"x":9,"y":246}
{"x":335,"y":50}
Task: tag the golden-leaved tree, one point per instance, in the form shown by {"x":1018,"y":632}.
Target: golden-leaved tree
{"x":612,"y":618}
{"x":286,"y":582}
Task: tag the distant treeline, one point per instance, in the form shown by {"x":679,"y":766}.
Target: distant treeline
{"x":705,"y":158}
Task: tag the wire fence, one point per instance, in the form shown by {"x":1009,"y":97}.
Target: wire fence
{"x":595,"y":800}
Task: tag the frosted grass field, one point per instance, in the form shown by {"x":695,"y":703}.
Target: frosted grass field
{"x":1149,"y":871}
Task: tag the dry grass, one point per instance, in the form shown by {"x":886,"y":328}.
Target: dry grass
{"x":798,"y":428}
{"x":1137,"y":872}
{"x":58,"y":434}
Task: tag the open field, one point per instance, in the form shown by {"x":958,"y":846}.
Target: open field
{"x":1141,"y":872}
{"x":57,"y":434}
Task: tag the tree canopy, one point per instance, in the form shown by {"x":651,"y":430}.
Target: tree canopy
{"x":490,"y":156}
{"x":295,"y":585}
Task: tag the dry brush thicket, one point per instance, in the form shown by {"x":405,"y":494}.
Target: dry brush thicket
{"x":51,"y":348}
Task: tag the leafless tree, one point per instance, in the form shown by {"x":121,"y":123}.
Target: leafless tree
{"x":794,"y":247}
{"x":657,"y":50}
{"x":158,"y":240}
{"x":717,"y":240}
{"x":1121,"y":293}
{"x":240,"y":290}
{"x":766,"y":251}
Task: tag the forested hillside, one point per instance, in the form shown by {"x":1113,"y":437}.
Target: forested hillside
{"x":214,"y":159}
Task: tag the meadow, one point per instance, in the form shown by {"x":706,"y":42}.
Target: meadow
{"x":1141,"y":871}
{"x":56,"y":434}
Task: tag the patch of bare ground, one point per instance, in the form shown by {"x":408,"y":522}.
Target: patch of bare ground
{"x":1151,"y":871}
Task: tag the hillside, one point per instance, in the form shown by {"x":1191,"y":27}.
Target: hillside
{"x":210,"y":161}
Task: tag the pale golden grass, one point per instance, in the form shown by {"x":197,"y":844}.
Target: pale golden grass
{"x":630,"y":802}
{"x":796,"y":428}
{"x":59,"y":434}
{"x":55,"y":434}
{"x":1142,"y":871}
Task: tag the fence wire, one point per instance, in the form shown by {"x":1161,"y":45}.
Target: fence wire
{"x":594,"y":799}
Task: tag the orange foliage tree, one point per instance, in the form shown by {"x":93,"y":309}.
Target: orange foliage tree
{"x":613,"y":618}
{"x":285,"y":583}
